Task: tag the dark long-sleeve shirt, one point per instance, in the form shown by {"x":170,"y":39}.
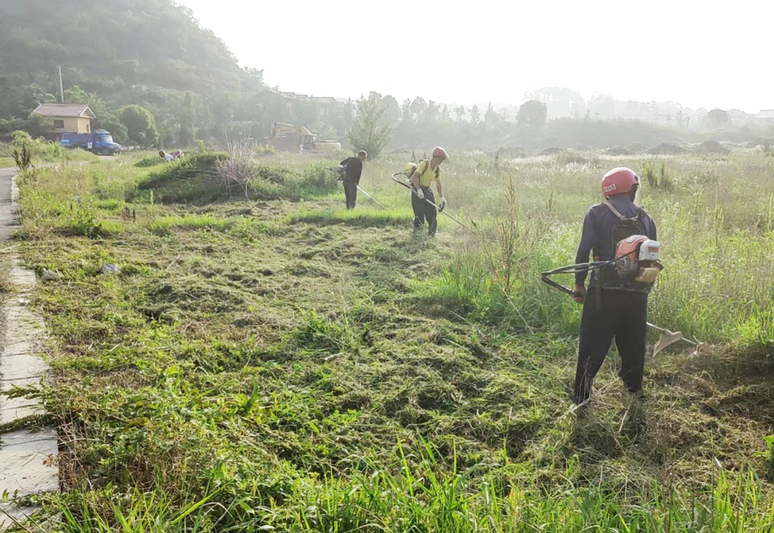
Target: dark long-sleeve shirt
{"x":354,"y":168}
{"x":598,"y":232}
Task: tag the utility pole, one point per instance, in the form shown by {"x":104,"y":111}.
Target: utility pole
{"x":61,"y":87}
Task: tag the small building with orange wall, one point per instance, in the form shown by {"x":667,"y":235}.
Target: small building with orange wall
{"x":74,"y":118}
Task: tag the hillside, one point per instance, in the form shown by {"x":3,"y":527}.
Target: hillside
{"x":147,"y":52}
{"x":108,"y":47}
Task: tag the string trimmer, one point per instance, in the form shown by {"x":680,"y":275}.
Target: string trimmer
{"x":413,"y":191}
{"x":631,"y":260}
{"x":370,"y":197}
{"x":341,"y":171}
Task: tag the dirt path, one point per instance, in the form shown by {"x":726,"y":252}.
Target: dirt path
{"x":28,"y":453}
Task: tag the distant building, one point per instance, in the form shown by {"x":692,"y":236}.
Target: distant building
{"x":67,"y":117}
{"x":766,"y":114}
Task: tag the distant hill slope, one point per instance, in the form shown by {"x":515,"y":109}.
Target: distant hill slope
{"x":106,"y":47}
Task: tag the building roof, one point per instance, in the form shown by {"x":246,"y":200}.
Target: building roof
{"x":766,"y":113}
{"x":329,"y":100}
{"x":64,"y":110}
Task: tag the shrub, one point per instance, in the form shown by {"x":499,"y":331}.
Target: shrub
{"x":150,"y":161}
{"x":657,"y":178}
{"x":46,"y":151}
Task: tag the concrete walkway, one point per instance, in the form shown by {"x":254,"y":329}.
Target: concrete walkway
{"x":28,"y":456}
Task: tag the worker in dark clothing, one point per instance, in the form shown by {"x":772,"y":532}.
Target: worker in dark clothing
{"x":613,"y":307}
{"x":353,"y":168}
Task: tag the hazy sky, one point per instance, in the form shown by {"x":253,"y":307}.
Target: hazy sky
{"x":698,"y":53}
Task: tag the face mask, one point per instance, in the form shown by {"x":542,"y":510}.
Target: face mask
{"x":638,"y":197}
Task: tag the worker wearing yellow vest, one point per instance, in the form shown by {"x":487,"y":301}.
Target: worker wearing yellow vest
{"x":427,"y":172}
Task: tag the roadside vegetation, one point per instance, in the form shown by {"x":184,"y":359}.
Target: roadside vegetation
{"x":41,"y":151}
{"x":264,"y":360}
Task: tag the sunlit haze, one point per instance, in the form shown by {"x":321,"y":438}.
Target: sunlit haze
{"x":697,"y":53}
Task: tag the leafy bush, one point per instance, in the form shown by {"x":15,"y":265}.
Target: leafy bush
{"x":84,"y":220}
{"x":657,"y":178}
{"x":150,"y":161}
{"x":45,"y":151}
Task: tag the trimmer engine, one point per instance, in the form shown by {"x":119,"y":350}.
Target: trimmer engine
{"x":638,"y":259}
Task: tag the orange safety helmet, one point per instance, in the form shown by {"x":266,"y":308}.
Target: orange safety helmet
{"x":619,"y":181}
{"x":440,"y":152}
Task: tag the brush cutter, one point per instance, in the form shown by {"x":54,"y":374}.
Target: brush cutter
{"x":341,"y":172}
{"x":666,"y":338}
{"x":413,"y":191}
{"x":370,"y":197}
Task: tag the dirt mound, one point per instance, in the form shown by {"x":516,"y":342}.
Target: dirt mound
{"x":666,"y":149}
{"x":618,"y":150}
{"x":512,"y":151}
{"x":713,"y":147}
{"x":569,"y":157}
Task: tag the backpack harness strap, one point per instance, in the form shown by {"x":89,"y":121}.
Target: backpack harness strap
{"x":437,"y":170}
{"x":638,"y":219}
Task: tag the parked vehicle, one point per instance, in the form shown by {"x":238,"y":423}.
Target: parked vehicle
{"x":292,"y":138}
{"x":99,"y":142}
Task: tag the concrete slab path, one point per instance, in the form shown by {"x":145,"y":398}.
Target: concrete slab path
{"x":28,"y":456}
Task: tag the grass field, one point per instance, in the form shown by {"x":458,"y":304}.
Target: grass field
{"x":281,"y":364}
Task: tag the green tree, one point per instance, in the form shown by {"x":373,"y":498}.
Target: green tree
{"x":491,"y":118}
{"x":418,"y":107}
{"x":718,"y":117}
{"x":475,"y":114}
{"x":188,"y":121}
{"x":405,"y":112}
{"x":393,"y":107}
{"x":117,"y":129}
{"x":76,"y":95}
{"x":372,"y":129}
{"x":140,"y":125}
{"x":532,"y":113}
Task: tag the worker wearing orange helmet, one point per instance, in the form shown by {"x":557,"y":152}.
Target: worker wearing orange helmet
{"x":427,"y":172}
{"x":614,"y":307}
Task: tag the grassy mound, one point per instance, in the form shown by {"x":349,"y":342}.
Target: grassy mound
{"x":205,"y":178}
{"x":193,"y":179}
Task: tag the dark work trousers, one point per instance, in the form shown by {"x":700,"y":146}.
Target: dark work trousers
{"x":622,"y":315}
{"x":350,"y":191}
{"x":424,"y":211}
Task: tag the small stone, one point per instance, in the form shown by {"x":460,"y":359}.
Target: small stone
{"x":110,"y":268}
{"x":50,"y":275}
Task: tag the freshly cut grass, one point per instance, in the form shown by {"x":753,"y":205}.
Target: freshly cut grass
{"x":295,"y":366}
{"x":354,"y":217}
{"x":163,"y":225}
